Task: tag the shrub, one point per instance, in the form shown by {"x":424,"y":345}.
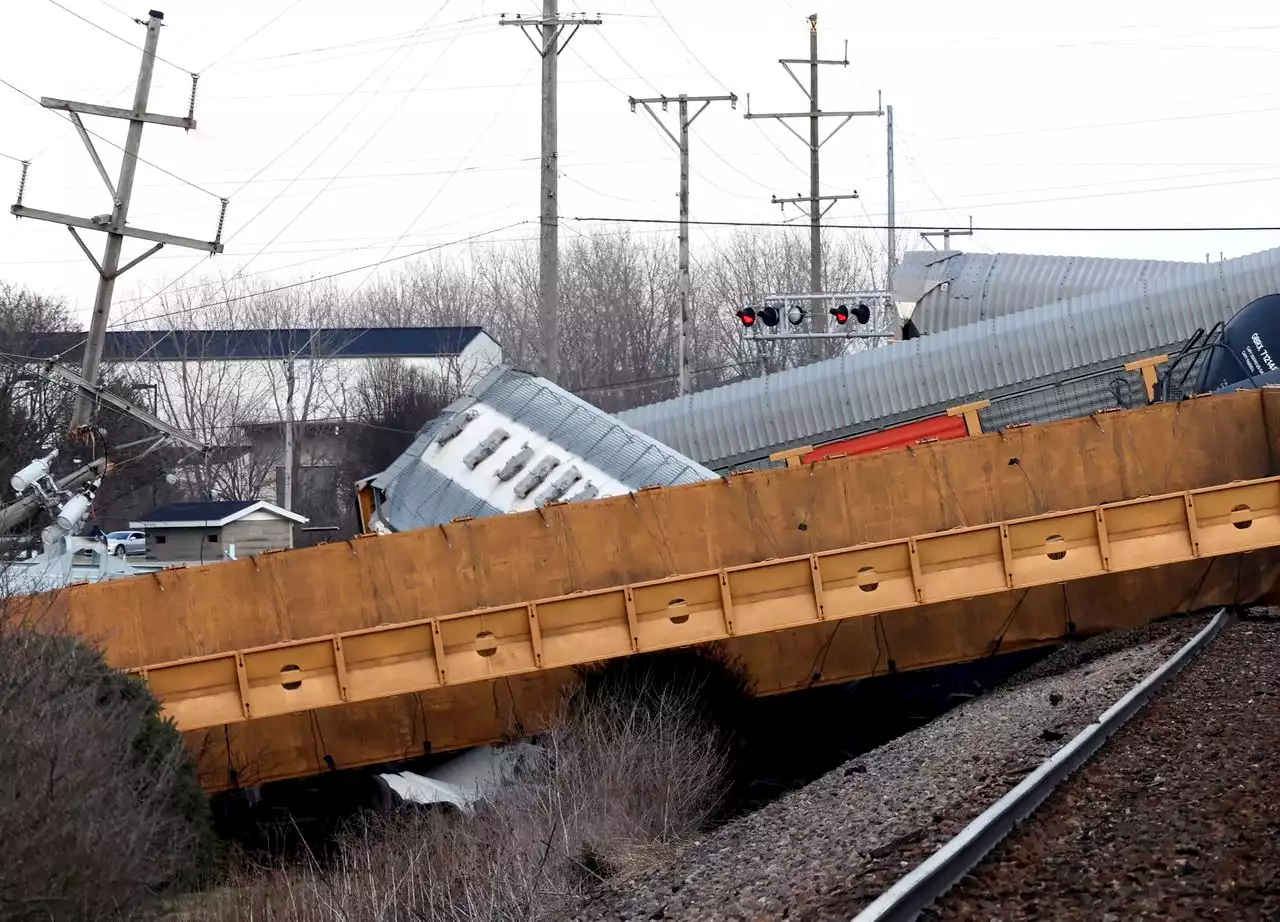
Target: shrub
{"x":100,"y":808}
{"x":640,"y":761}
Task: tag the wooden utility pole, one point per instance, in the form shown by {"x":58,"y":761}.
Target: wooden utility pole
{"x":121,"y":193}
{"x":549,"y":46}
{"x":814,"y":143}
{"x":685,"y":333}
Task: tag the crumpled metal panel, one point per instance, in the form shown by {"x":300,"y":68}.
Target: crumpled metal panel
{"x":740,"y":423}
{"x":954,"y":289}
{"x":432,"y":483}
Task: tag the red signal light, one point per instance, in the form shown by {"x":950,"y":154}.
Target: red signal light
{"x":841,"y":314}
{"x":748,"y":316}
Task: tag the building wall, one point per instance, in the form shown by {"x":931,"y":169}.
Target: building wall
{"x":253,"y":537}
{"x":250,"y":536}
{"x":184,"y":544}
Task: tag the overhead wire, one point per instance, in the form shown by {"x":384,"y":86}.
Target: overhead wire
{"x":118,"y":37}
{"x":140,"y":159}
{"x":240,"y":229}
{"x":698,"y":61}
{"x":359,"y":150}
{"x":341,"y":272}
{"x":1132,"y":229}
{"x":484,"y":132}
{"x":439,"y":189}
{"x":250,"y":37}
{"x":705,"y":142}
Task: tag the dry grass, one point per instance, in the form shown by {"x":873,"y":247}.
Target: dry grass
{"x":638,"y":764}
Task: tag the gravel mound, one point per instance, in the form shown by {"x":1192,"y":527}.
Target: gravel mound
{"x":1176,"y":818}
{"x":826,"y":850}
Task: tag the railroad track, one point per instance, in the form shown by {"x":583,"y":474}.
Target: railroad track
{"x":1172,"y":820}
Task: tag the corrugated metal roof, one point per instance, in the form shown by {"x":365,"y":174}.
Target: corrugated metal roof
{"x":515,"y":442}
{"x":173,"y":345}
{"x":953,"y":289}
{"x":740,"y":423}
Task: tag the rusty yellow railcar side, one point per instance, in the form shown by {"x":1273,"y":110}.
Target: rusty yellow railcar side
{"x":382,"y":647}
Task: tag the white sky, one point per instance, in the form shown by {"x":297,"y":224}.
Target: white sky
{"x":1119,"y":113}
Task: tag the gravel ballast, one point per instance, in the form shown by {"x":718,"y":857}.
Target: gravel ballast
{"x":1177,"y":817}
{"x":827,"y":850}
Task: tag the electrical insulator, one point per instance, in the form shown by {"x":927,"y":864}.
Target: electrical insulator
{"x":72,"y":514}
{"x":33,"y":472}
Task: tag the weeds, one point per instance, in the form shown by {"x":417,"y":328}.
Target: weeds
{"x":640,"y":762}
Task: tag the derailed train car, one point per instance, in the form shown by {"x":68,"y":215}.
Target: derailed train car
{"x":1061,"y":356}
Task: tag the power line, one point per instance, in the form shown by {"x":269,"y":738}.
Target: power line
{"x":154,"y":166}
{"x":938,"y":227}
{"x":11,"y":157}
{"x":341,"y":272}
{"x":289,"y":147}
{"x":360,"y":150}
{"x":250,"y":37}
{"x":119,"y":38}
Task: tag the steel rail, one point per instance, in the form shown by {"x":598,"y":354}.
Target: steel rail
{"x":932,"y":878}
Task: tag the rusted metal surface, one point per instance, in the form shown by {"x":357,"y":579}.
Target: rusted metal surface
{"x":762,"y":562}
{"x":857,"y":582}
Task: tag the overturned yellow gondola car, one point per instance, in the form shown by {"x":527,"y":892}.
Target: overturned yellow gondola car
{"x":388,"y":646}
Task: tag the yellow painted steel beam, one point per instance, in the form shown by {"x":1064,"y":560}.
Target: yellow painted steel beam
{"x":969,"y":411}
{"x":694,"y":608}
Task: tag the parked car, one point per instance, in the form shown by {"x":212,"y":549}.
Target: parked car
{"x":126,"y":543}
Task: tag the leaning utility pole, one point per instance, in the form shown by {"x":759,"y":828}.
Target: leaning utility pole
{"x":114,"y":223}
{"x":550,"y":26}
{"x":682,"y":145}
{"x":814,"y":143}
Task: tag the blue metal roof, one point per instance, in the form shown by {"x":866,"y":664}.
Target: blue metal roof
{"x":172,"y":345}
{"x":197,"y":512}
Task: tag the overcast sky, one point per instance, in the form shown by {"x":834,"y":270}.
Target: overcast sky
{"x":345,"y":133}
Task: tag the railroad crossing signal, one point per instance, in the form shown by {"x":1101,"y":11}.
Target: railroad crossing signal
{"x":771,"y":310}
{"x":861,"y":313}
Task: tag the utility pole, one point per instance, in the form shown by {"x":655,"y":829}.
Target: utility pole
{"x":893,"y":213}
{"x":549,"y":47}
{"x":814,"y":143}
{"x":682,"y":145}
{"x":947,"y":233}
{"x":288,"y":434}
{"x":121,"y":193}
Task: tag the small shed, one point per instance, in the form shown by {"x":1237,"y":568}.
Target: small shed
{"x":189,"y":532}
